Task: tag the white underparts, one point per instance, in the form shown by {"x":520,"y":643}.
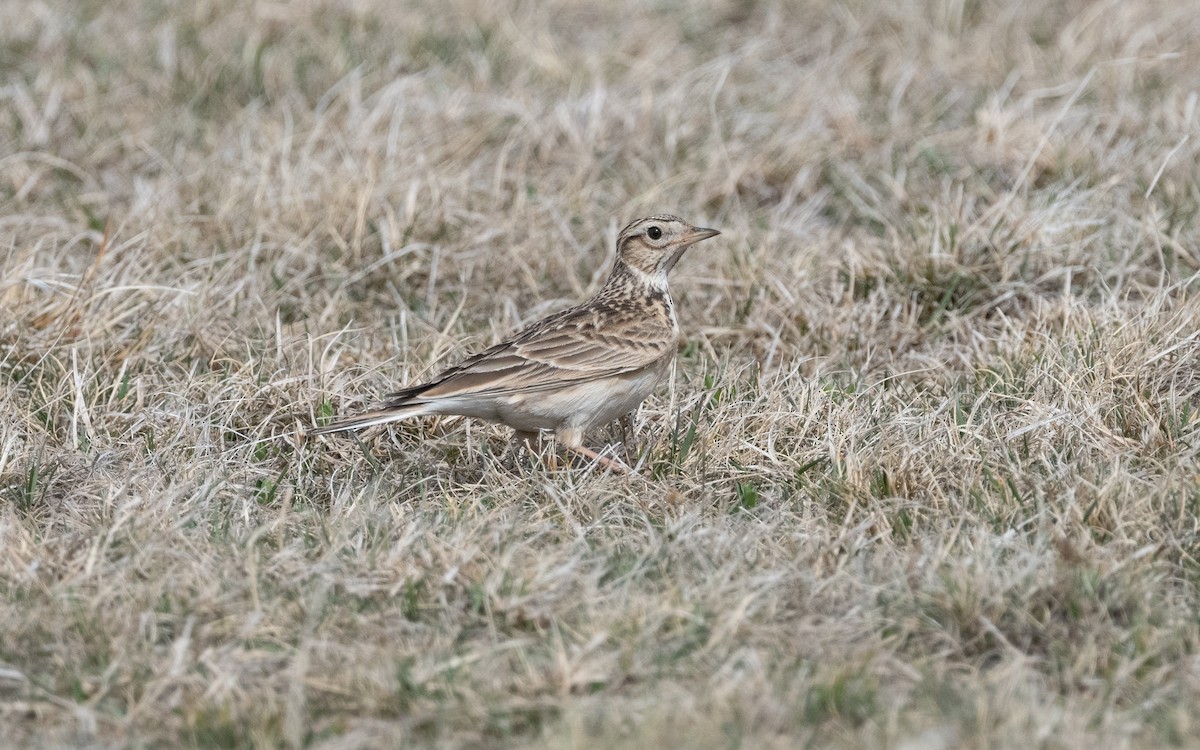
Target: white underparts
{"x":656,"y":281}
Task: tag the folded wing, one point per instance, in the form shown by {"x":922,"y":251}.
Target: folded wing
{"x":571,"y":348}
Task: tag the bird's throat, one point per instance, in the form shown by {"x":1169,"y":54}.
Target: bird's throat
{"x":630,"y":278}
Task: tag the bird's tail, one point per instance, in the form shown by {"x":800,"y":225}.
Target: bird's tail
{"x":371,"y":418}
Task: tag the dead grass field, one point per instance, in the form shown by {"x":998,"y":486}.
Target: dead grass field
{"x":925,"y":475}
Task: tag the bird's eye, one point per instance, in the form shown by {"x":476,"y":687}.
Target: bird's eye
{"x":654,"y":233}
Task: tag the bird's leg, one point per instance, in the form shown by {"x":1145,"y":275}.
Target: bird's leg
{"x":571,"y":438}
{"x":628,"y":436}
{"x":528,"y":439}
{"x":533,"y":443}
{"x":605,"y":461}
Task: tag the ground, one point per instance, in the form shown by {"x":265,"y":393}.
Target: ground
{"x":924,"y":474}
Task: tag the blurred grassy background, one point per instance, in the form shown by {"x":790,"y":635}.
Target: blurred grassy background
{"x":924,"y":475}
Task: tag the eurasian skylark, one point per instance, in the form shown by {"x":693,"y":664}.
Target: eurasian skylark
{"x":575,"y":370}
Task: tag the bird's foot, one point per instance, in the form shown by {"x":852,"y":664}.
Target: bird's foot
{"x":609,"y":463}
{"x":550,"y":459}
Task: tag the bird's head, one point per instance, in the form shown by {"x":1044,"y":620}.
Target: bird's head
{"x":651,"y":246}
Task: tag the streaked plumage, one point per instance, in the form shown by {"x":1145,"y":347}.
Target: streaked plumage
{"x":575,"y":370}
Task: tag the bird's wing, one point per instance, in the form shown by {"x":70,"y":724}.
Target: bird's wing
{"x":572,"y":347}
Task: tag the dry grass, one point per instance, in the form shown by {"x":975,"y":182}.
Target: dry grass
{"x":925,"y":475}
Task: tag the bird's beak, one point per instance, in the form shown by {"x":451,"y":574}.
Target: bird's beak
{"x":695,"y":234}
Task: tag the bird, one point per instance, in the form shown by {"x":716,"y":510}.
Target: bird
{"x":574,"y":370}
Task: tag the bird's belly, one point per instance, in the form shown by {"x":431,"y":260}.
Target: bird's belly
{"x":623,"y":396}
{"x":584,"y":405}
